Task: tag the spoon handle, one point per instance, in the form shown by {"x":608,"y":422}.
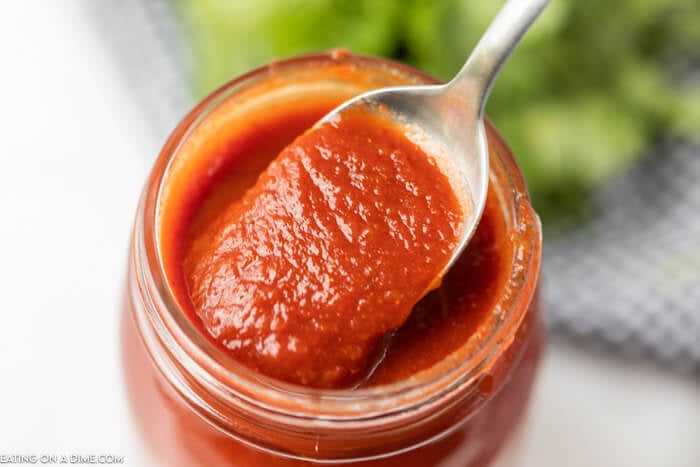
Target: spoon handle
{"x":478,"y":74}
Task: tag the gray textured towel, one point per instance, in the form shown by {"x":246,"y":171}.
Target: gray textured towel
{"x":628,"y":281}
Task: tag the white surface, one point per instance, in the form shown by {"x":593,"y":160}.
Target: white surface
{"x":591,"y":411}
{"x":74,"y":151}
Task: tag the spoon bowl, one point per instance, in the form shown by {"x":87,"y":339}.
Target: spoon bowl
{"x":447,"y":120}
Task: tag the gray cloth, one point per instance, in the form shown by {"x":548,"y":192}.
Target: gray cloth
{"x":629,"y":281}
{"x":146,"y":43}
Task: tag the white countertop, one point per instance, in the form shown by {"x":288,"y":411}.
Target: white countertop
{"x":74,"y":151}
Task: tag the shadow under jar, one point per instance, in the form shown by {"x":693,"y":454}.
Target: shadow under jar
{"x":454,"y":385}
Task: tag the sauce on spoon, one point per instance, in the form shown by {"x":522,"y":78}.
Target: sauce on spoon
{"x":329,"y":251}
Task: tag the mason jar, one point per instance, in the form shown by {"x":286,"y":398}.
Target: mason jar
{"x":195,"y":406}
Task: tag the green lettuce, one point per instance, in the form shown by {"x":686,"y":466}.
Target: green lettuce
{"x":591,"y":86}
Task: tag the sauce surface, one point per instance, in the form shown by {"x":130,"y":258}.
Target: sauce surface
{"x":223,"y":158}
{"x":326,"y":253}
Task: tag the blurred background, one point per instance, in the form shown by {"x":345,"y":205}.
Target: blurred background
{"x":588,"y":90}
{"x":600,"y":104}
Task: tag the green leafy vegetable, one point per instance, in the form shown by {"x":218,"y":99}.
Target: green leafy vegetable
{"x":592,"y":84}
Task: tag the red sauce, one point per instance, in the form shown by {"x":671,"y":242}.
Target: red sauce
{"x":331,"y":248}
{"x":280,"y":255}
{"x":213,"y":167}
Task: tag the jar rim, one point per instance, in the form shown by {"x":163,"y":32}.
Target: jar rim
{"x":194,"y":356}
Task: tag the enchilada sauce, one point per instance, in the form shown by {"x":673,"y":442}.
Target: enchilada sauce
{"x":304,"y":276}
{"x":221,"y":155}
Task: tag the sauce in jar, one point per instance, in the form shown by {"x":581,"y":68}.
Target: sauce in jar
{"x":455,"y":376}
{"x":330,"y":250}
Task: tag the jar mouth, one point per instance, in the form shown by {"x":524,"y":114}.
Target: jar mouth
{"x":196,"y":366}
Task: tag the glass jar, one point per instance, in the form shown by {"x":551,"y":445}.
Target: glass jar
{"x":196,"y":407}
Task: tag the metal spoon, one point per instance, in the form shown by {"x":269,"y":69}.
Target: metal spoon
{"x":451,"y":116}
